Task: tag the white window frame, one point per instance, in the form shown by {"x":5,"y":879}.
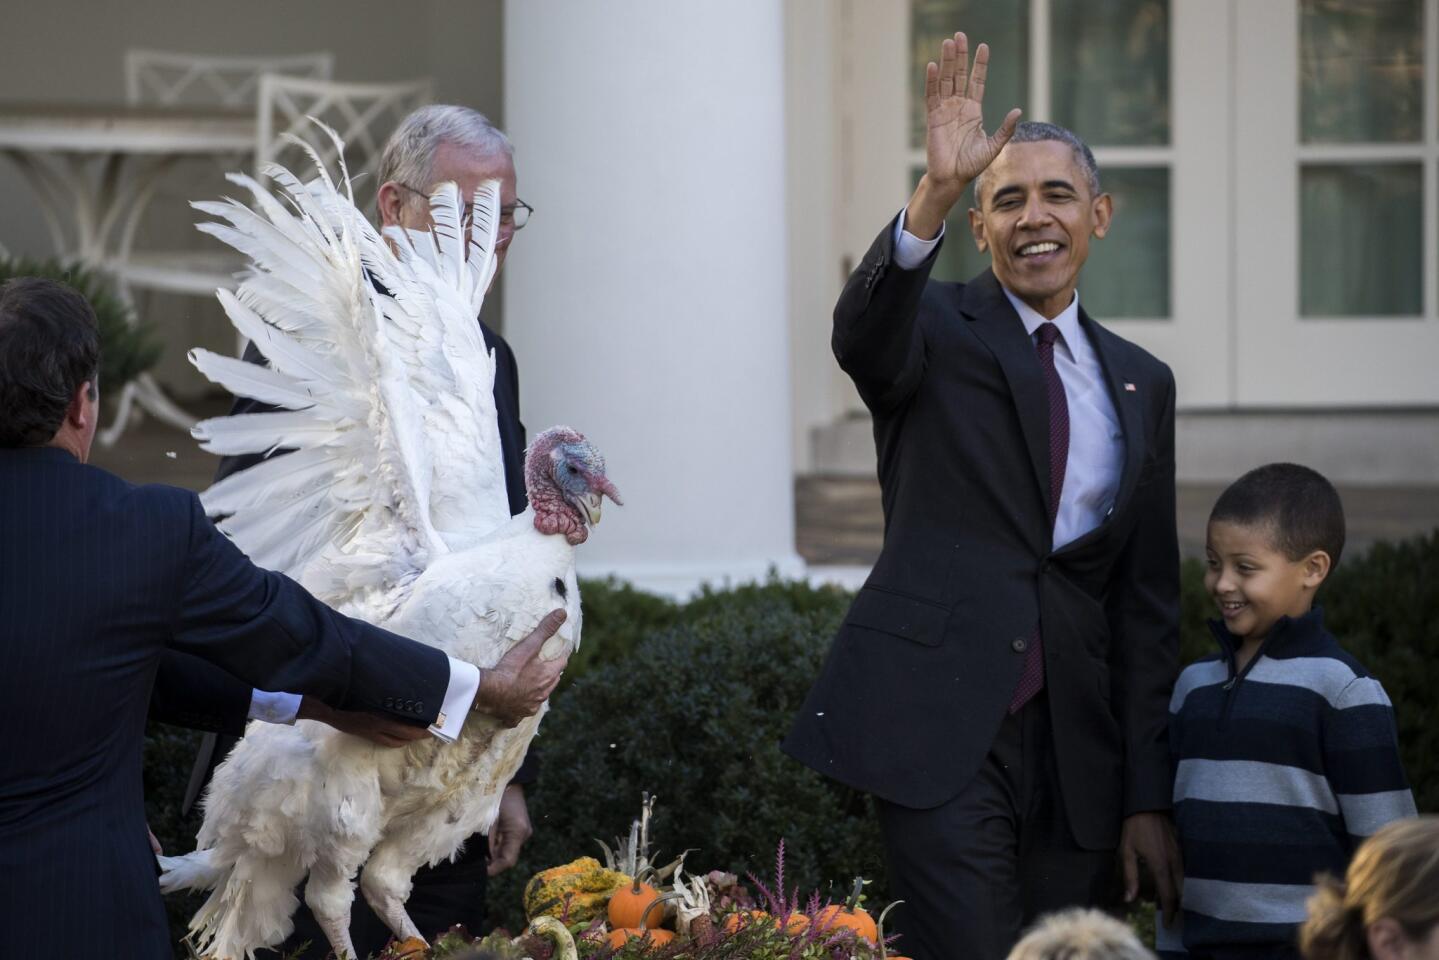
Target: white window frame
{"x":1284,"y":360}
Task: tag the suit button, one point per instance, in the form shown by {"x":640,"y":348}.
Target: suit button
{"x":1019,"y":644}
{"x":419,"y":706}
{"x":389,"y":703}
{"x":409,"y":704}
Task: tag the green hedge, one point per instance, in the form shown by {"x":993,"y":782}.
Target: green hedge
{"x":690,"y":702}
{"x":695,"y":715}
{"x":127,"y":348}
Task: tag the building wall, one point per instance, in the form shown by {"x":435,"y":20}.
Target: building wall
{"x":73,"y":51}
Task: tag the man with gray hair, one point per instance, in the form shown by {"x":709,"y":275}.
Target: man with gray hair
{"x":435,"y":144}
{"x":1001,"y":683}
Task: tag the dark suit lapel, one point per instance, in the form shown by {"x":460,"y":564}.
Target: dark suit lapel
{"x":1124,"y":394}
{"x":993,"y":320}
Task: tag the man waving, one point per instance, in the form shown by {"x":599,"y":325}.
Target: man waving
{"x":1001,"y":683}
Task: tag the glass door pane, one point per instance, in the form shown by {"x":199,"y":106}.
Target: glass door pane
{"x":1361,"y":240}
{"x":1109,"y":70}
{"x":1127,"y":274}
{"x":1361,"y":71}
{"x":1004,"y":26}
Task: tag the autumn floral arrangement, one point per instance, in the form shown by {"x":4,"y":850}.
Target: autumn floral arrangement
{"x":631,"y":908}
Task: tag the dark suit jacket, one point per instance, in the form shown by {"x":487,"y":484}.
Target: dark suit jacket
{"x":920,"y":675}
{"x":97,"y":579}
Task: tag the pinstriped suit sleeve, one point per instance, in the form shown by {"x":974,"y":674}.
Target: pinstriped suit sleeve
{"x":266,"y":630}
{"x":190,"y":692}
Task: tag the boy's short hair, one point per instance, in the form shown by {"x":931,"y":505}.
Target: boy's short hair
{"x":1079,"y":934}
{"x":1303,"y":508}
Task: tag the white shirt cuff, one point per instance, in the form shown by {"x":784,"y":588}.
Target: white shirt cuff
{"x":909,"y":250}
{"x":274,"y":707}
{"x":459,"y":697}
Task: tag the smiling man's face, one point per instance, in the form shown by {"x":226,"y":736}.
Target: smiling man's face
{"x":1035,"y":220}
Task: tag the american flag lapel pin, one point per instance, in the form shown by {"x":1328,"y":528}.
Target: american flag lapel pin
{"x":1128,"y":387}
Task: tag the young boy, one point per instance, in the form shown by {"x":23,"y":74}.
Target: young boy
{"x":1285,"y":750}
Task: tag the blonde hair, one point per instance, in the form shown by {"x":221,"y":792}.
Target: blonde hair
{"x":1079,"y":935}
{"x":1394,"y":874}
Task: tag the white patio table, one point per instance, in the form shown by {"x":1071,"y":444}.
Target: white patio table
{"x":94,"y":169}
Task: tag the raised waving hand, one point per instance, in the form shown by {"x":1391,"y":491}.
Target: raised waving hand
{"x":956,"y":147}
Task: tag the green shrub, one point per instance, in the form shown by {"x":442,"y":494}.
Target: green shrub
{"x":616,"y":618}
{"x":127,"y":348}
{"x":1384,"y":608}
{"x":695,"y":715}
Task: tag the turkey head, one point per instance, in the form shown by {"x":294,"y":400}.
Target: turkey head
{"x":566,"y":483}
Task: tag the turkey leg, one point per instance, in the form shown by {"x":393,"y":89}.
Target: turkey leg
{"x":329,"y":894}
{"x":386,"y":882}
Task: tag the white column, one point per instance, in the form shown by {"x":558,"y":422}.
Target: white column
{"x":646,"y":300}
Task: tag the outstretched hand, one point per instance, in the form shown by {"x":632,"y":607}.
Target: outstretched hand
{"x":517,"y":686}
{"x":956,"y":147}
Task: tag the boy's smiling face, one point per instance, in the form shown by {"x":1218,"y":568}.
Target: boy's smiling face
{"x":1253,"y":582}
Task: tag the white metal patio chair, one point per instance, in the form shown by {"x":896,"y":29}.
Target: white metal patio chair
{"x":364,"y":114}
{"x":169,"y":78}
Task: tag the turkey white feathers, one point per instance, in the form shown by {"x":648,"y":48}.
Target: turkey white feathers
{"x":393,"y":508}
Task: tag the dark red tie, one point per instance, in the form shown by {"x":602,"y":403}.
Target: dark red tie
{"x":1031,"y":680}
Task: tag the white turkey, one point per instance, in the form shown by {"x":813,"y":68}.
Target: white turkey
{"x":393,"y":509}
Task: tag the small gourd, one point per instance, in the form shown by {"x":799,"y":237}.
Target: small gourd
{"x":744,"y":919}
{"x":657,"y":938}
{"x":636,"y":905}
{"x":850,"y":915}
{"x":577,"y":891}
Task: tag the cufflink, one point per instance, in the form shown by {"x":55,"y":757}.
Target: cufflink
{"x":440,"y":720}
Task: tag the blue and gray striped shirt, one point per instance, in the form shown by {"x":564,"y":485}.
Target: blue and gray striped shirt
{"x":1280,"y":772}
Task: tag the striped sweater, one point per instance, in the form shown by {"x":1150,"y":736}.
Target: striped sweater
{"x":1279,"y":773}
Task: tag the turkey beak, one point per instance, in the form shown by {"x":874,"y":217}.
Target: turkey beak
{"x":592,"y":502}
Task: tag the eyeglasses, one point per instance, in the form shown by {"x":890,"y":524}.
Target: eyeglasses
{"x":516,"y":215}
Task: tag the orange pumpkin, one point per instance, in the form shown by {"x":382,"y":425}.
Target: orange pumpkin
{"x":744,"y":918}
{"x":635,"y":906}
{"x":796,"y":924}
{"x":412,"y":949}
{"x":657,"y":938}
{"x":840,"y":916}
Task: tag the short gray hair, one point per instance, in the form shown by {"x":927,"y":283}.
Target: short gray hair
{"x":1078,"y":934}
{"x":409,"y":155}
{"x":1033,"y":131}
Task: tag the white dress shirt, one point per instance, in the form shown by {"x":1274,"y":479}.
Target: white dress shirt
{"x":463,"y":687}
{"x":1096,"y":440}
